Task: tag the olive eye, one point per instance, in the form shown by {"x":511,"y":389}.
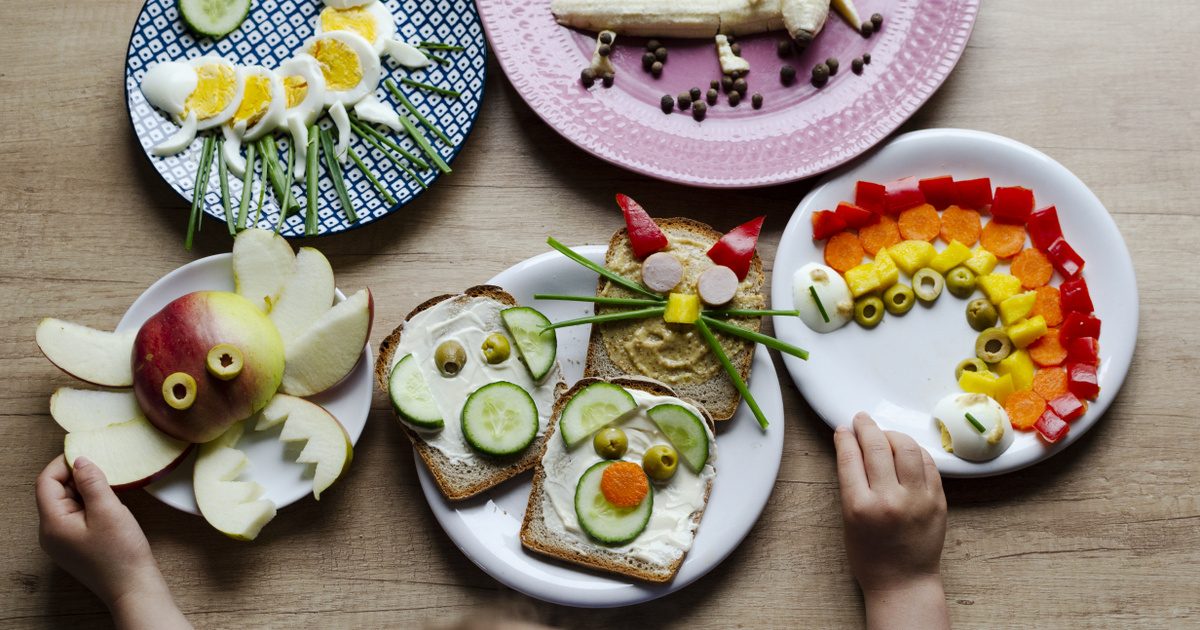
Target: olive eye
{"x":450,"y":357}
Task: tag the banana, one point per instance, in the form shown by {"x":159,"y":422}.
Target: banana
{"x":802,"y":19}
{"x":847,"y":10}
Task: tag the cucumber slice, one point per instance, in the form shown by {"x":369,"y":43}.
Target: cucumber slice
{"x":215,"y":18}
{"x":411,"y":396}
{"x":500,"y":419}
{"x":537,"y":347}
{"x":593,"y":407}
{"x":686,"y":432}
{"x":604,"y":521}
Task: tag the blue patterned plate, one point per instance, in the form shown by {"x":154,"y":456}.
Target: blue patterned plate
{"x":273,"y":32}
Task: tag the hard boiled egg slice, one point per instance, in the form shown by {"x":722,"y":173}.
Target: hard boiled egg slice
{"x":830,"y":289}
{"x":343,"y":4}
{"x":962,"y":437}
{"x":198,"y":94}
{"x":350,"y":65}
{"x":341,"y":122}
{"x":372,"y":21}
{"x":218,"y":91}
{"x":372,"y":110}
{"x":260,"y":112}
{"x":304,"y":88}
{"x":168,"y":85}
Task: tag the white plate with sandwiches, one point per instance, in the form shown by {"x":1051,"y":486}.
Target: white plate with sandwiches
{"x":488,"y":525}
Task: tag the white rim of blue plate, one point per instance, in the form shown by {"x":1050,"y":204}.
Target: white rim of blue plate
{"x":159,"y":34}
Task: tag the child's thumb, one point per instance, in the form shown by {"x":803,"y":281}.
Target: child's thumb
{"x":92,"y":484}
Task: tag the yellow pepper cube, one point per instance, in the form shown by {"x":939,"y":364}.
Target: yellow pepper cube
{"x":1017,"y":307}
{"x":910,"y":256}
{"x":886,"y":270}
{"x":682,"y":308}
{"x":1020,"y":367}
{"x":954,"y":255}
{"x":862,"y":279}
{"x":1027,"y":331}
{"x":999,"y":286}
{"x":982,"y":262}
{"x":977,"y":382}
{"x":1003,"y":388}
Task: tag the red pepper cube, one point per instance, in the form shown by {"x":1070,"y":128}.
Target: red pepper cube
{"x":1075,"y":296}
{"x":1065,"y":259}
{"x":938,"y":191}
{"x":975,"y":194}
{"x":826,"y":223}
{"x":736,"y":248}
{"x":1085,"y":350}
{"x":854,"y":216}
{"x":1044,"y":228}
{"x":1012,"y":204}
{"x":1076,"y":325}
{"x":1068,"y":407}
{"x":1051,"y":427}
{"x":870,"y":195}
{"x":1083,"y":381}
{"x":645,"y":237}
{"x":903,"y":194}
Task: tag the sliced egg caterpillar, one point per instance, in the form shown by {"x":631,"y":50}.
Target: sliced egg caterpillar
{"x":199,"y":94}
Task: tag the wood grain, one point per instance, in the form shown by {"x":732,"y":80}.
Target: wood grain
{"x":1105,"y":535}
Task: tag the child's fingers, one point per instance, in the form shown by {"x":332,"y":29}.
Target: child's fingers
{"x":933,"y":478}
{"x":93,"y":486}
{"x":910,"y":469}
{"x":50,"y":491}
{"x":852,"y":478}
{"x":876,"y":450}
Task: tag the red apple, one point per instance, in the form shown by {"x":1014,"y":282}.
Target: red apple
{"x":201,"y":400}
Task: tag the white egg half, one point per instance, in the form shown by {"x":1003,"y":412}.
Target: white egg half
{"x":341,"y":122}
{"x":168,"y":85}
{"x":299,"y":133}
{"x":342,"y":4}
{"x":961,"y":437}
{"x":372,"y":21}
{"x":349,"y":64}
{"x":303,"y":88}
{"x":406,"y":54}
{"x":180,"y":140}
{"x":218,"y":91}
{"x":830,"y":288}
{"x":372,"y":110}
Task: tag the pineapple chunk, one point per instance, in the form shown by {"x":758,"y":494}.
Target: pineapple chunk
{"x":682,"y":308}
{"x":988,"y":384}
{"x":999,"y":286}
{"x":954,"y":255}
{"x":910,"y":256}
{"x":862,"y":279}
{"x":1020,"y":367}
{"x":1003,"y":388}
{"x":982,"y":262}
{"x":1027,"y":331}
{"x":886,"y":270}
{"x":1017,"y":307}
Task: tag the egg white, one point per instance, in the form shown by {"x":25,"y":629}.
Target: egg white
{"x":230,"y":109}
{"x":961,"y":438}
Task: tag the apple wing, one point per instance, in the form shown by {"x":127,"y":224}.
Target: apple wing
{"x":306,"y":296}
{"x":329,"y":349}
{"x":262,"y":263}
{"x":95,"y":356}
{"x":235,"y":508}
{"x":131,"y":454}
{"x":327,"y":445}
{"x":87,"y":410}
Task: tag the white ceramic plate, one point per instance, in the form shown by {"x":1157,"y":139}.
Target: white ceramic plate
{"x":285,"y":481}
{"x":898,"y":371}
{"x":487,"y":527}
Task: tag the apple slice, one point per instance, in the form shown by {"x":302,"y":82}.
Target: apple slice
{"x":131,"y":454}
{"x":95,"y":356}
{"x":326,"y":442}
{"x":87,"y":409}
{"x":330,"y":348}
{"x":235,"y":508}
{"x":306,"y":295}
{"x":262,"y":263}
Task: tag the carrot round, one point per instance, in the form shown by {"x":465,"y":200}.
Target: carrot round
{"x":1049,"y":305}
{"x":1032,"y":267}
{"x":883,"y":233}
{"x":920,"y":223}
{"x":624,"y":484}
{"x":843,"y":251}
{"x":1050,"y":383}
{"x":1024,"y":408}
{"x":1048,"y":351}
{"x":961,"y":224}
{"x":1002,"y":239}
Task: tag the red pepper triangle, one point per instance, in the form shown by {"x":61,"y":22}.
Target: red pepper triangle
{"x":736,"y":249}
{"x":644,"y":234}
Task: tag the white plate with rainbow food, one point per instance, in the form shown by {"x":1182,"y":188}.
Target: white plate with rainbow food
{"x":1024,"y":326}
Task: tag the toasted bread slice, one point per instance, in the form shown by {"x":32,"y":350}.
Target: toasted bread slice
{"x":461,"y":480}
{"x":537,"y":536}
{"x":715,"y":393}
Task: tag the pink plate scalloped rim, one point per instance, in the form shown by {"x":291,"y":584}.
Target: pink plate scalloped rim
{"x":800,"y":131}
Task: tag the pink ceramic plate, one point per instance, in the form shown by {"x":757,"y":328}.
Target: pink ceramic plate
{"x":800,"y":131}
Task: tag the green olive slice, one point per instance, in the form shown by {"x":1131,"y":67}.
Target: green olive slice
{"x":993,"y":345}
{"x":868,"y":311}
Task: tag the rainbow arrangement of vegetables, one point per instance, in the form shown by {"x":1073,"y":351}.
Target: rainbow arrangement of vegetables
{"x":1038,"y":349}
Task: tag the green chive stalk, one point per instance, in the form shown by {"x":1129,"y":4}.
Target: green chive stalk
{"x":732,"y":371}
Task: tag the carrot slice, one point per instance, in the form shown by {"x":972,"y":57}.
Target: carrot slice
{"x":1050,"y":383}
{"x":1032,"y":267}
{"x":624,"y":484}
{"x":1049,"y":306}
{"x":1002,"y":239}
{"x":1024,"y":408}
{"x":920,"y":223}
{"x":1048,"y":351}
{"x":843,"y":251}
{"x":883,"y":233}
{"x":962,"y":225}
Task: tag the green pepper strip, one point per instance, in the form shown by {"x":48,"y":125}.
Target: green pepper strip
{"x":335,"y":173}
{"x":975,"y":423}
{"x":362,"y":168}
{"x":741,"y":312}
{"x":597,"y":299}
{"x":199,"y":189}
{"x":247,"y":186}
{"x":732,"y":372}
{"x":432,"y":88}
{"x":391,"y":87}
{"x":609,"y":317}
{"x":379,"y":141}
{"x":758,"y":337}
{"x":310,"y":213}
{"x":611,"y":275}
{"x":821,"y":307}
{"x":223,"y":176}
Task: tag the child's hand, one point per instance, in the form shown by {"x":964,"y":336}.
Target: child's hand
{"x":895,"y":523}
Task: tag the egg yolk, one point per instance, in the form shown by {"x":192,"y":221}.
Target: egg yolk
{"x":295,"y":88}
{"x":256,"y":98}
{"x":216,"y":87}
{"x":339,"y":64}
{"x":354,"y":19}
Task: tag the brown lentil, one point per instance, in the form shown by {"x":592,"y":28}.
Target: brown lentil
{"x":684,"y":100}
{"x":784,"y":48}
{"x":867,"y":58}
{"x":735,"y":98}
{"x":695,"y":93}
{"x":832,"y":62}
{"x":699,"y":110}
{"x":656,"y":69}
{"x":876,"y":21}
{"x":756,"y":100}
{"x":667,"y":104}
{"x":856,"y":65}
{"x":727,"y":84}
{"x":787,"y":74}
{"x":820,"y":74}
{"x":740,"y":85}
{"x":736,"y":49}
{"x":712,"y":96}
{"x":647,"y":61}
{"x":660,"y":54}
{"x":716,"y":85}
{"x":604,"y":50}
{"x":653,"y":45}
{"x":587,"y":77}
{"x":866,"y":29}
{"x":606,"y":38}
{"x":607,"y":78}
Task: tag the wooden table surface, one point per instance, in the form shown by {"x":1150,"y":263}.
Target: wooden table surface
{"x":1106,"y":535}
